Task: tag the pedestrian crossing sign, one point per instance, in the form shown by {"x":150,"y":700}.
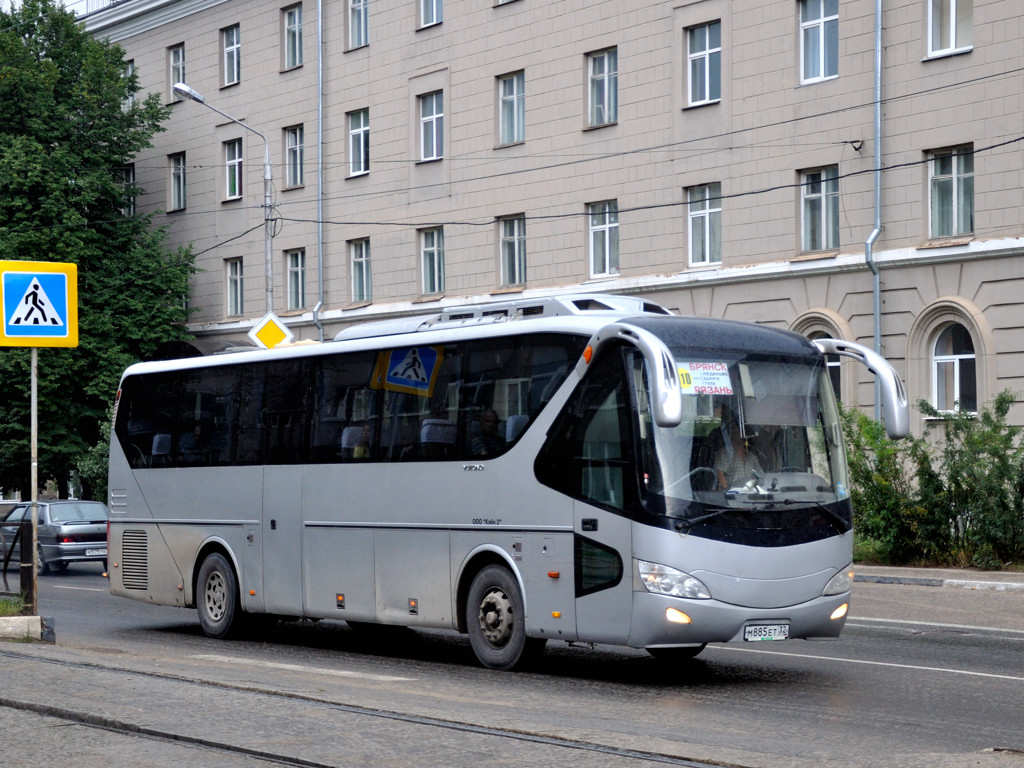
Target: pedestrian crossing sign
{"x":40,"y":304}
{"x":410,"y":370}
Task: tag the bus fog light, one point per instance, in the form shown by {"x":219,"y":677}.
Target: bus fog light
{"x":839,"y":612}
{"x":677,"y":617}
{"x":662,"y":580}
{"x":839,"y":583}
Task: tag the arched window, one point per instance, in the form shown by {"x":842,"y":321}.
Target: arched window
{"x":954,"y":371}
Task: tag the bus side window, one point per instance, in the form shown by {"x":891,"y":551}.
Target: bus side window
{"x":344,"y":406}
{"x":589,"y":448}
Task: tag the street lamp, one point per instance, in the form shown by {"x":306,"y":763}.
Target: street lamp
{"x":268,"y":184}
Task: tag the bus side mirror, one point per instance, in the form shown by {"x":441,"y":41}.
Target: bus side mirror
{"x":666,"y":391}
{"x":895,"y":411}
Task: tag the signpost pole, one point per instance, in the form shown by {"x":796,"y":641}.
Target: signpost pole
{"x":38,"y":308}
{"x":31,"y":597}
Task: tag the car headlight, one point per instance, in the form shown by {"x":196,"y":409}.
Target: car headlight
{"x":839,"y":583}
{"x":662,"y":580}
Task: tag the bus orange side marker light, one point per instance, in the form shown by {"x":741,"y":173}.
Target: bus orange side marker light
{"x":556,"y":614}
{"x":839,"y":612}
{"x":553,"y":574}
{"x":588,"y":353}
{"x":252,"y":592}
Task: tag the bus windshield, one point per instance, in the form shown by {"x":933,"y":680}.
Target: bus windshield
{"x":755,"y":434}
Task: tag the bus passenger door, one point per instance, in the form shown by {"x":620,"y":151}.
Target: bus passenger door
{"x":603,"y":484}
{"x":282,"y":537}
{"x":604,"y":584}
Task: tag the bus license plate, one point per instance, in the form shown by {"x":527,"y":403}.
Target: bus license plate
{"x":757,"y":632}
{"x":95,"y":552}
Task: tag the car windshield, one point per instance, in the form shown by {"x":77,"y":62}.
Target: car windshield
{"x":755,"y":434}
{"x":82,"y":511}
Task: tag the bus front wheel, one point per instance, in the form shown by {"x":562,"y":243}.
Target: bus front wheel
{"x":217,"y":596}
{"x":496,"y":620}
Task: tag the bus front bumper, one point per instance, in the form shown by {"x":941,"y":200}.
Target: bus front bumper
{"x":660,"y":621}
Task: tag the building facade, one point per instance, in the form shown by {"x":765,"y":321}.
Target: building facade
{"x":850,"y":168}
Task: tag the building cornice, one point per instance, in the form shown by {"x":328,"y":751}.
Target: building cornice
{"x":648,"y":285}
{"x":133,"y":17}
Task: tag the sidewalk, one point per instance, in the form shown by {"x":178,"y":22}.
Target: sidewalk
{"x":966,"y":578}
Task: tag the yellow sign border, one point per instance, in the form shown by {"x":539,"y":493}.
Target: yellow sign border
{"x":49,"y":267}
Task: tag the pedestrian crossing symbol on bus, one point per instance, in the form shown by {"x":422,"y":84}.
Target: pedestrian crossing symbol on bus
{"x":40,"y":304}
{"x":410,"y":370}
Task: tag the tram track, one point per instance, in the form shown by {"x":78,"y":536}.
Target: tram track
{"x":141,"y":731}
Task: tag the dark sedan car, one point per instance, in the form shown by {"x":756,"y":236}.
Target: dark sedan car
{"x":68,"y":532}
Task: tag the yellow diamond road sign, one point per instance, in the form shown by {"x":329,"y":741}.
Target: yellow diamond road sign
{"x":270,"y":331}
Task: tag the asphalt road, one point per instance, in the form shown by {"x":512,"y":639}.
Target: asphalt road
{"x":923,"y":676}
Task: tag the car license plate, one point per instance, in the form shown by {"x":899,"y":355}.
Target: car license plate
{"x":757,"y":632}
{"x":95,"y":552}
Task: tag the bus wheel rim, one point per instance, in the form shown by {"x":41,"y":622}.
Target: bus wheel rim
{"x":215,"y":593}
{"x":496,"y":617}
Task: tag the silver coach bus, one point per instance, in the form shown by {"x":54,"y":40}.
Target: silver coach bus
{"x":589,"y":469}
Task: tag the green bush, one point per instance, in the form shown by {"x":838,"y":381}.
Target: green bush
{"x":953,"y":496}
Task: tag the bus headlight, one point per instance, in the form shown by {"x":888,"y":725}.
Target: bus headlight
{"x":662,"y":580}
{"x":839,"y":583}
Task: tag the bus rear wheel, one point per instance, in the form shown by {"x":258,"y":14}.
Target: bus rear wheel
{"x":217,"y":596}
{"x":496,"y":620}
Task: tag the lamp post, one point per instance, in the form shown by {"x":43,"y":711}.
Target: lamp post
{"x":268,"y":194}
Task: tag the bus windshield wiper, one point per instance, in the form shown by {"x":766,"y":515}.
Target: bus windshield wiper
{"x":840,"y":523}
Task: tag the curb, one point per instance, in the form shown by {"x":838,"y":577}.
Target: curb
{"x":38,"y":628}
{"x":918,"y":581}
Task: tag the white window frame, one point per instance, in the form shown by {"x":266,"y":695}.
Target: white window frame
{"x":233,"y":169}
{"x":431,"y":12}
{"x":948,"y":371}
{"x":603,"y":88}
{"x":292,"y":32}
{"x":178,"y":185}
{"x":362,"y":276}
{"x":704,"y":64}
{"x":603,"y":219}
{"x":432,"y":259}
{"x":128,"y":182}
{"x":704,"y":218}
{"x":235,"y":287}
{"x":129,"y":99}
{"x":512,"y":108}
{"x":295,"y":274}
{"x":819,"y":40}
{"x":294,"y":156}
{"x":358,"y":23}
{"x":951,"y":192}
{"x":359,"y":142}
{"x":513,"y":250}
{"x":819,"y":208}
{"x":175,"y":68}
{"x":950,"y":26}
{"x":431,"y":125}
{"x":231,"y":40}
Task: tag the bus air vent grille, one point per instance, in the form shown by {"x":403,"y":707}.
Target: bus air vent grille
{"x":135,"y":560}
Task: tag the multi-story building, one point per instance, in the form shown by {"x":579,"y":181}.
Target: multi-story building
{"x":851,"y":169}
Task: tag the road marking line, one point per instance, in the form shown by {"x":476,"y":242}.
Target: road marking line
{"x":300,"y":668}
{"x":871,"y":663}
{"x":959,"y":627}
{"x":80,"y":589}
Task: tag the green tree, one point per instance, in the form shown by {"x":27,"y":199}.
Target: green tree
{"x":70,"y":125}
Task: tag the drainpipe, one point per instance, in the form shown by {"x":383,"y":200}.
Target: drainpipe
{"x":869,"y":255}
{"x":319,"y":170}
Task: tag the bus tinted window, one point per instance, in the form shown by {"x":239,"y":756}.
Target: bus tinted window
{"x":454,"y":401}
